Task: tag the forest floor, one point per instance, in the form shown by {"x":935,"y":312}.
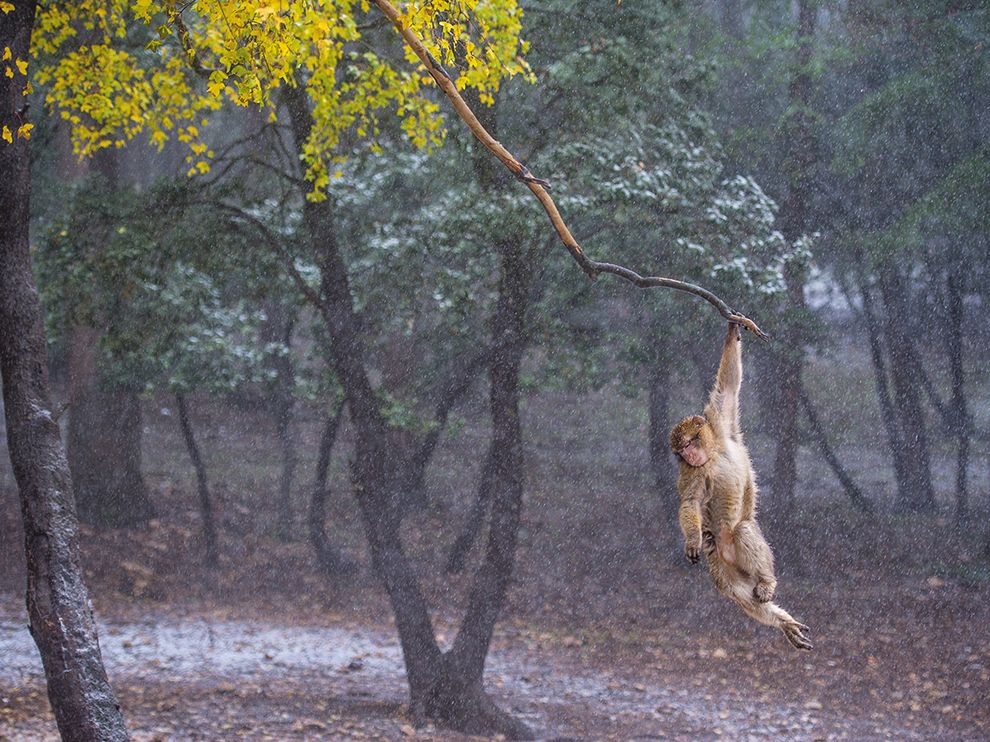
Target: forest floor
{"x":901,"y":659}
{"x":608,"y":635}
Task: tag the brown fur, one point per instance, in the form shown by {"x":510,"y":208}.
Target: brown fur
{"x":718,"y":502}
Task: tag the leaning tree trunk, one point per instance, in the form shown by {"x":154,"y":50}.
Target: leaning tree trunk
{"x":210,"y":542}
{"x":331,"y":562}
{"x":61,"y":621}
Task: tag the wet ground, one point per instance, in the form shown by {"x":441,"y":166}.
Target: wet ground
{"x":203,"y":676}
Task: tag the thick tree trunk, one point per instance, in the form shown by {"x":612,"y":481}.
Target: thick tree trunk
{"x":918,"y":494}
{"x":798,"y":162}
{"x":104,"y":441}
{"x":202,"y":485}
{"x":61,"y":622}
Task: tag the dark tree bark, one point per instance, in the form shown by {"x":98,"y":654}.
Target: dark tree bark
{"x":445,"y":688}
{"x":820,"y":437}
{"x":210,"y":541}
{"x":918,"y":494}
{"x":661,"y":465}
{"x":104,"y":441}
{"x":475,"y":521}
{"x":887,"y":412}
{"x":61,"y":622}
{"x":284,"y":403}
{"x":962,"y":424}
{"x":328,"y":557}
{"x":799,"y":158}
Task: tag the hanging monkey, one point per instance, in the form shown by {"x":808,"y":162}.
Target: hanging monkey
{"x":717,"y":488}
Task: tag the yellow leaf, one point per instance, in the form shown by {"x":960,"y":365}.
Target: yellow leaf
{"x":6,"y":7}
{"x":22,"y":65}
{"x":8,"y":72}
{"x":6,"y":54}
{"x":6,"y":135}
{"x":24,"y":131}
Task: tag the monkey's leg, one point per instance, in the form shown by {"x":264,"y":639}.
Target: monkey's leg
{"x":752,"y":555}
{"x":772,"y":614}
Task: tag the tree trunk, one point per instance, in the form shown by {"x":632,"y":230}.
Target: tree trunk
{"x":918,"y":494}
{"x":464,"y":664}
{"x":856,"y":495}
{"x":328,"y":557}
{"x":61,"y":621}
{"x":887,"y":412}
{"x":104,"y":441}
{"x":202,"y":485}
{"x":475,"y":520}
{"x":383,"y":466}
{"x":661,"y":465}
{"x":284,"y":401}
{"x":963,"y":424}
{"x":799,"y":158}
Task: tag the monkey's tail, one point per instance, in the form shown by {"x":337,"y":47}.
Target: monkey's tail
{"x":771,"y":614}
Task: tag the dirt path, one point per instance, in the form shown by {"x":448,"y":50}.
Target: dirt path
{"x":206,"y":677}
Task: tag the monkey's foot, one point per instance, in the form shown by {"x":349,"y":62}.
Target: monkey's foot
{"x":763,"y":592}
{"x":793,"y":633}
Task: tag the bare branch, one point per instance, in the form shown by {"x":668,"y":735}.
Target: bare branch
{"x":538,"y":187}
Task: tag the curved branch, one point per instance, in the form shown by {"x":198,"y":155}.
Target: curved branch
{"x":539,"y":187}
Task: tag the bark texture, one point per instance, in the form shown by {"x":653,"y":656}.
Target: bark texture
{"x":61,"y":622}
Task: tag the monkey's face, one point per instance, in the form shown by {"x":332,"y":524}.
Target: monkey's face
{"x":688,"y":440}
{"x":694,"y":454}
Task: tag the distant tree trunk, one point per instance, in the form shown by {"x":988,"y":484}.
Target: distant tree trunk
{"x":887,"y":411}
{"x":662,"y":465}
{"x":104,"y":441}
{"x":105,"y":430}
{"x":284,"y":402}
{"x":918,"y":494}
{"x":475,"y":520}
{"x":854,"y":493}
{"x":799,"y":158}
{"x":202,"y":485}
{"x":61,"y":621}
{"x":328,"y":557}
{"x":962,"y":421}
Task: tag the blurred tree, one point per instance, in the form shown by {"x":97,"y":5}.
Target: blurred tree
{"x":104,"y":432}
{"x":915,"y":136}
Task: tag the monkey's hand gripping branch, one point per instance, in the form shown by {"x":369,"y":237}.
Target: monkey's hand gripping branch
{"x":539,"y":187}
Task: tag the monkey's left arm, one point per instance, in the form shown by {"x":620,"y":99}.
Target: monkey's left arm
{"x":691,"y":488}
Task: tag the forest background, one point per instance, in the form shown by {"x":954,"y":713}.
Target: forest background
{"x":241,"y":301}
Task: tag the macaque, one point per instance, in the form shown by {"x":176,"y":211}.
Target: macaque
{"x":717,"y":488}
